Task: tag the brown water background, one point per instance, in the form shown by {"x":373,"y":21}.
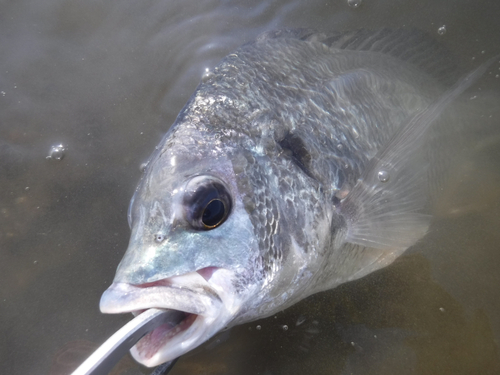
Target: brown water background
{"x":106,"y":79}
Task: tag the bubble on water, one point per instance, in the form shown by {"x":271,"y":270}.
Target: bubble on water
{"x":441,"y":309}
{"x":340,"y":146}
{"x":3,"y":93}
{"x":354,"y":3}
{"x":258,"y":328}
{"x":284,"y":327}
{"x":497,"y":76}
{"x":442,"y":30}
{"x":35,"y":262}
{"x":383,"y":176}
{"x":57,"y":152}
{"x":143,"y":166}
{"x":207,"y":74}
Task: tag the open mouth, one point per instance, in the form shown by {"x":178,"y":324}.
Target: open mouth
{"x":194,"y":314}
{"x":152,"y":342}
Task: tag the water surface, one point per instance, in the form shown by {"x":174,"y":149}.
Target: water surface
{"x":106,"y":80}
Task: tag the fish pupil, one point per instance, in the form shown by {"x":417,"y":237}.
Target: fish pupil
{"x":214,"y":213}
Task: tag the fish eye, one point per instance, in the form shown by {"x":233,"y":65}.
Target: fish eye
{"x":207,"y":203}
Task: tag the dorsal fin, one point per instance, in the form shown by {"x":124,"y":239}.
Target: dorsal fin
{"x":410,"y":45}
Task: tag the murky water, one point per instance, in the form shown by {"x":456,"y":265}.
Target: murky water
{"x":106,"y":80}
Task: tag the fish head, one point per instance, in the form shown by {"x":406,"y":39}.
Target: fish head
{"x":192,"y":248}
{"x":221,"y":228}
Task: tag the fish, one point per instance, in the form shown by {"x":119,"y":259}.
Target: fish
{"x":302,"y":161}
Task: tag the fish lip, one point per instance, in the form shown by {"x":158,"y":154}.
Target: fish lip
{"x":190,"y":293}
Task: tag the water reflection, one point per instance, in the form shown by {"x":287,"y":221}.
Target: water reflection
{"x":106,"y":80}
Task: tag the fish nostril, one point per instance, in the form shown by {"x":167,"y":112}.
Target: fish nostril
{"x":159,"y":237}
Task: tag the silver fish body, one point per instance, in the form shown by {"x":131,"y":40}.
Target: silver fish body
{"x":297,"y":165}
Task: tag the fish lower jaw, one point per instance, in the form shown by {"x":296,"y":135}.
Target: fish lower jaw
{"x":166,"y":343}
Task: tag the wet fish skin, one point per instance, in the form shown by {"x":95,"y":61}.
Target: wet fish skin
{"x":287,"y":127}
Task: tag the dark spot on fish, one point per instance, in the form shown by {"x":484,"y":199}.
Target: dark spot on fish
{"x":294,"y":146}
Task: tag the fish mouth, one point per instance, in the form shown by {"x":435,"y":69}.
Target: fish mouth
{"x":202,"y":314}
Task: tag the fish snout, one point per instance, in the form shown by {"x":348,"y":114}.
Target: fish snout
{"x":202,"y":313}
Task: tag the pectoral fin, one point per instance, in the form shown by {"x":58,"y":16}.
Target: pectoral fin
{"x":386,"y":207}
